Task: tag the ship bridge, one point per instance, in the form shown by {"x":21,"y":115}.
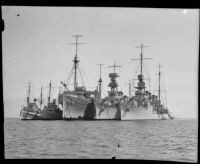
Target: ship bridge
{"x":113,"y":82}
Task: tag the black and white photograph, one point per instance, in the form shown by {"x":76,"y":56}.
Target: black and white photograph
{"x":100,"y":83}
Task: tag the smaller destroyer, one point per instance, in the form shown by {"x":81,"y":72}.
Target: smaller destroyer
{"x":31,"y":111}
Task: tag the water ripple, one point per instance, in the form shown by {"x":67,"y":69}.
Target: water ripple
{"x":174,"y":140}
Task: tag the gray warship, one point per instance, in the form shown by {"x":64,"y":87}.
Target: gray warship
{"x":108,"y":108}
{"x":143,"y":105}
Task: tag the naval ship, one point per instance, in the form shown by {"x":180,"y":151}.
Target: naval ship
{"x":51,"y":111}
{"x":30,"y":111}
{"x":158,"y":106}
{"x":108,"y":108}
{"x":143,"y":105}
{"x":78,"y":104}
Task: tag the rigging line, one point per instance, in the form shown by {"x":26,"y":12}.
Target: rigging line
{"x":149,"y":70}
{"x":161,"y":97}
{"x":163,"y":84}
{"x":70,"y":75}
{"x":149,"y":85}
{"x":85,"y":74}
{"x":155,"y":86}
{"x":146,"y":71}
{"x":166,"y":98}
{"x":164,"y":91}
{"x":136,"y":70}
{"x":81,"y":75}
{"x":147,"y":76}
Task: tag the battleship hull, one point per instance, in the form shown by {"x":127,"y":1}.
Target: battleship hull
{"x":108,"y":112}
{"x":123,"y":111}
{"x":135,"y":113}
{"x":78,"y":108}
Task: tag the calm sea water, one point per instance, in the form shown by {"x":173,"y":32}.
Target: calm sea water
{"x":171,"y":140}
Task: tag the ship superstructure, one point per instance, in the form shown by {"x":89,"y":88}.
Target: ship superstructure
{"x":30,"y":111}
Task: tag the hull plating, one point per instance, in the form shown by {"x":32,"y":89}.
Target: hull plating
{"x":27,"y":115}
{"x":74,"y":106}
{"x":108,"y":112}
{"x":51,"y":112}
{"x":105,"y":112}
{"x":134,"y":113}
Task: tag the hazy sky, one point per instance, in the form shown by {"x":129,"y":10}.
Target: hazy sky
{"x":36,"y":47}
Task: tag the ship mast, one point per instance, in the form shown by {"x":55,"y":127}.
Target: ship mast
{"x":49,"y":92}
{"x":100,"y":82}
{"x":159,"y":84}
{"x":141,"y":56}
{"x":76,"y":60}
{"x":141,"y":84}
{"x":29,"y":91}
{"x":114,"y":66}
{"x":41,"y":97}
{"x":129,"y":87}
